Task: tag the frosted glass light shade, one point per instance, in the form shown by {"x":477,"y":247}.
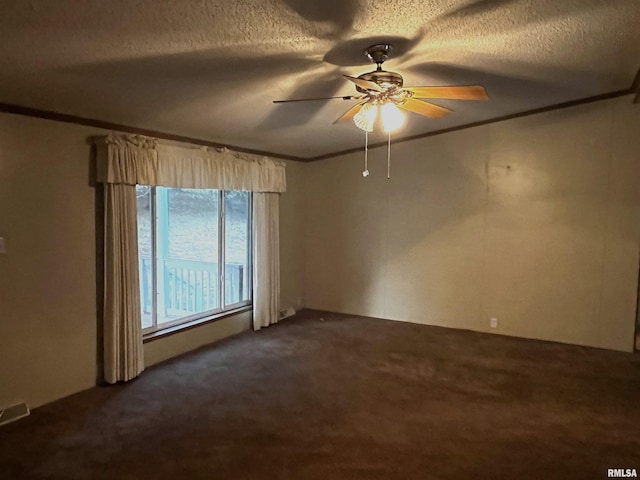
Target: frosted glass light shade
{"x":366,"y":117}
{"x":392,"y":117}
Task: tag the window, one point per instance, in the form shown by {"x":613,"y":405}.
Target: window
{"x":184,"y":237}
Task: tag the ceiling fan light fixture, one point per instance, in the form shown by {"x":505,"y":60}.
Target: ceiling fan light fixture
{"x":392,"y":117}
{"x":366,"y":117}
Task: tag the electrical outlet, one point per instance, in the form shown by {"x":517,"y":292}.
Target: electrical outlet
{"x":494,"y":323}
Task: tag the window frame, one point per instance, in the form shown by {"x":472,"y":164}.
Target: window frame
{"x":223,"y":309}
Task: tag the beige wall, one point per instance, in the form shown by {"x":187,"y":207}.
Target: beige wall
{"x":292,"y":225}
{"x":534,"y":221}
{"x":48,"y":276}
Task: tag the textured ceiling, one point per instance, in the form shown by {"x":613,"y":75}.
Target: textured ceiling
{"x":210,"y":69}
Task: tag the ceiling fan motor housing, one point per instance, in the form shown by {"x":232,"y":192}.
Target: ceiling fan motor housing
{"x":378,"y":54}
{"x":383,"y":78}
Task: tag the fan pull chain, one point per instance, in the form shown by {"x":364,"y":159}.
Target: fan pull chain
{"x":365,"y":172}
{"x":389,"y":156}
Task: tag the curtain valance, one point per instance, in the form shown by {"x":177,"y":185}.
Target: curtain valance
{"x":138,"y":160}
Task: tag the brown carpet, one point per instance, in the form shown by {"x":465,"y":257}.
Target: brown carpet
{"x":346,"y":398}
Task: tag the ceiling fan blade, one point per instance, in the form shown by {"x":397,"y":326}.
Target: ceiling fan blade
{"x":344,"y":97}
{"x":474,"y":92}
{"x":366,"y":84}
{"x":349,"y":114}
{"x":424,"y":108}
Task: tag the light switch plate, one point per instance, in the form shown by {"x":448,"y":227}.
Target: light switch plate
{"x":3,"y":249}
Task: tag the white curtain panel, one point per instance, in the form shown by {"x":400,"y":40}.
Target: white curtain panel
{"x":123,"y":355}
{"x":266,"y":259}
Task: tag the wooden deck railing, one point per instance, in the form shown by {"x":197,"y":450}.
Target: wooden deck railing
{"x":189,"y":286}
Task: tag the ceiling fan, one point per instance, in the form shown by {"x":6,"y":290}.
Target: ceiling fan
{"x":385,"y":89}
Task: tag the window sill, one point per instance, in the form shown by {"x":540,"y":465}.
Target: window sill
{"x":151,"y":336}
